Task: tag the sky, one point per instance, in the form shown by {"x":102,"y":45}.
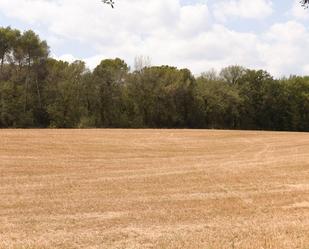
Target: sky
{"x":196,"y":34}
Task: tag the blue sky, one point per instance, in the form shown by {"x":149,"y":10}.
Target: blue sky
{"x":199,"y":35}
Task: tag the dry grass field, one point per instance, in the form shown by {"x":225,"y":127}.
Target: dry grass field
{"x":160,"y":189}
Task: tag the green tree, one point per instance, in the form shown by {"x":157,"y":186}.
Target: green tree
{"x":232,"y":74}
{"x":252,"y":89}
{"x":63,"y":93}
{"x":218,"y":104}
{"x":109,"y":78}
{"x":37,"y":91}
{"x":163,"y":96}
{"x":36,"y":51}
{"x":11,"y":106}
{"x":298,"y":102}
{"x":8,"y":39}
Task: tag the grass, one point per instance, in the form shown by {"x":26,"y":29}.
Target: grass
{"x":159,"y":189}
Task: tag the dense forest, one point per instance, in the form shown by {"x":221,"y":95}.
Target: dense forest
{"x":39,"y":91}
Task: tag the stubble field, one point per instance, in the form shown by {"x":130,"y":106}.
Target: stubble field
{"x":161,"y":189}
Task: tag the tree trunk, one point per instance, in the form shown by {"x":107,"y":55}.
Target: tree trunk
{"x":1,"y":93}
{"x":27,"y":86}
{"x":1,"y":67}
{"x":2,"y":62}
{"x":26,"y":93}
{"x":38,"y":91}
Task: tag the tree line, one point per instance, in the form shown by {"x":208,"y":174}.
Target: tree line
{"x":37,"y":91}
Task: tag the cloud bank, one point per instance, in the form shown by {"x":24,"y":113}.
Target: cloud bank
{"x":198,"y":35}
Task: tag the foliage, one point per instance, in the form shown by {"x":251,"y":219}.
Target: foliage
{"x":110,"y":2}
{"x":37,"y":91}
{"x":304,"y":3}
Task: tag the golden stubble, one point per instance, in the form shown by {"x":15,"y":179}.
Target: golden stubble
{"x":160,"y":189}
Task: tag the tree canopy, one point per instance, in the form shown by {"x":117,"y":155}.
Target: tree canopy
{"x":39,"y":91}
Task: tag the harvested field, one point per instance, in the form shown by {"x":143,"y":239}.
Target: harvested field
{"x":160,"y":189}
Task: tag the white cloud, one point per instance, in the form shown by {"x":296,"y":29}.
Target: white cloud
{"x":252,"y":9}
{"x":65,"y":57}
{"x":166,"y":31}
{"x":285,"y":48}
{"x":149,"y":27}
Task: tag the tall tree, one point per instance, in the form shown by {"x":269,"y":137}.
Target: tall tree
{"x":63,"y":93}
{"x":30,"y":52}
{"x":109,"y":77}
{"x":8,"y":38}
{"x":37,"y":91}
{"x":232,"y":74}
{"x":252,"y":89}
{"x":218,"y":104}
{"x":162,"y":96}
